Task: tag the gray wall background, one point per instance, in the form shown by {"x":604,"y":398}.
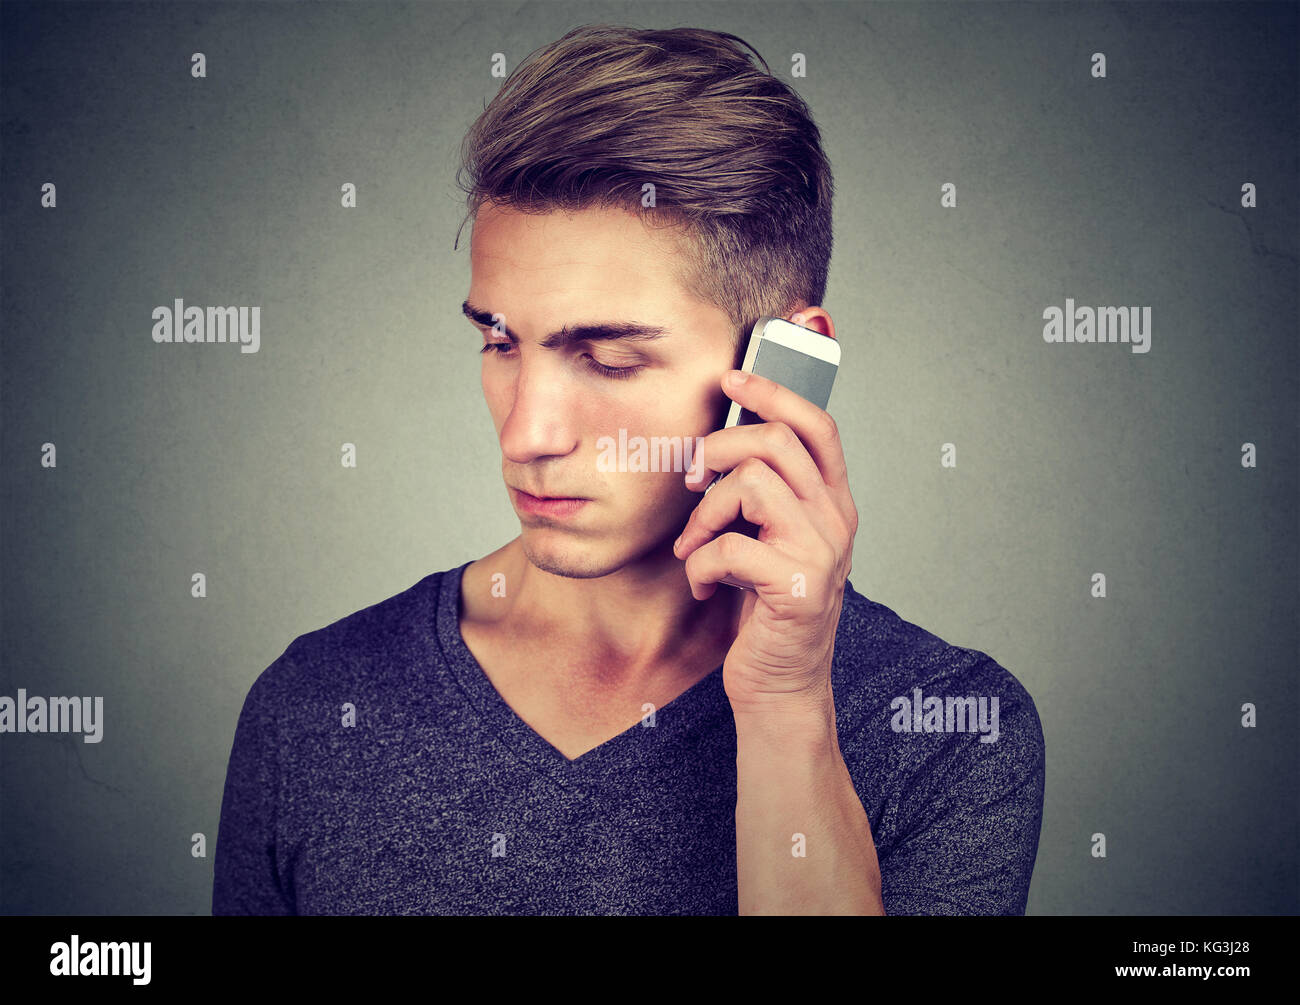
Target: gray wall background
{"x":1072,"y":459}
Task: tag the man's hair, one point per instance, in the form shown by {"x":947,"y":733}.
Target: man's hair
{"x":732,"y":152}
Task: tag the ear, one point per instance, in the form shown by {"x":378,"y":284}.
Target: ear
{"x":815,"y":318}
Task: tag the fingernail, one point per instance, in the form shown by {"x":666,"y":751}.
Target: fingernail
{"x":737,"y":377}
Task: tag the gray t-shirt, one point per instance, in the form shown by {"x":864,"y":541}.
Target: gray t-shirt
{"x":376,"y":770}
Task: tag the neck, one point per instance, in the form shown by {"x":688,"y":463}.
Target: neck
{"x":630,"y":623}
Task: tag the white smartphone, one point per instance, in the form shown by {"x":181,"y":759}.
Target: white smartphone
{"x":799,"y":358}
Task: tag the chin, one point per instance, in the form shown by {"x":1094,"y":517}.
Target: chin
{"x":567,"y":558}
{"x":579,"y":559}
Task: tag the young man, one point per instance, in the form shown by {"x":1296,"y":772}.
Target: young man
{"x":585,"y":721}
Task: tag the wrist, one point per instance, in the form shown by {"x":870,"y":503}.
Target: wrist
{"x":787,"y":723}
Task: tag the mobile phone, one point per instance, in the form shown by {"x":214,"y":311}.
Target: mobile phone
{"x":799,"y":358}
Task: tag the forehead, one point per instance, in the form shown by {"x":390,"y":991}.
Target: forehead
{"x":530,"y":259}
{"x":595,"y":234}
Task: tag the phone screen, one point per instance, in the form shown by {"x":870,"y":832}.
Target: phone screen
{"x":807,"y":376}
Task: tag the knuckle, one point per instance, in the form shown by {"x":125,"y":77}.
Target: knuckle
{"x":751,"y":471}
{"x":780,"y":436}
{"x":729,"y":545}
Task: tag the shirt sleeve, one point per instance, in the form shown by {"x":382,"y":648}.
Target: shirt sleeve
{"x":245,"y":878}
{"x":977,"y":811}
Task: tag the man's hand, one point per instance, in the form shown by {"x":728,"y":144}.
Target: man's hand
{"x":793,"y":789}
{"x":788,"y":476}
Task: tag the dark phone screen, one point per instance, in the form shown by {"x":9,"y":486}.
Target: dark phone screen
{"x":805,"y":375}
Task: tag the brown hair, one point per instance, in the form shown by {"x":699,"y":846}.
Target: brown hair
{"x":733,"y":154}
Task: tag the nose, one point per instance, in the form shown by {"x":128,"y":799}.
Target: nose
{"x":541,"y":422}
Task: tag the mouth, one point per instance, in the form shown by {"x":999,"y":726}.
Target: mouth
{"x":547,"y":497}
{"x":552,"y":506}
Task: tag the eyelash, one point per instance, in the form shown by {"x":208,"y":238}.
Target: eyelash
{"x":612,"y":372}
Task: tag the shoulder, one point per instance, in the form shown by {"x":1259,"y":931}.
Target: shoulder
{"x":352,"y":655}
{"x":946,"y":751}
{"x":915,"y":698}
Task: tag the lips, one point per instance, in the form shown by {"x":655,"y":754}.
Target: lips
{"x":556,"y":507}
{"x":547,"y":497}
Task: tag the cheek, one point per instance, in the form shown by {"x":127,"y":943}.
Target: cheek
{"x":702,"y":404}
{"x":686,"y":407}
{"x":661,"y":495}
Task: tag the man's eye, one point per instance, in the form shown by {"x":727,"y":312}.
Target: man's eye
{"x":611,"y":372}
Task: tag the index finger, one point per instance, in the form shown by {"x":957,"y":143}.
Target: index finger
{"x":814,"y":426}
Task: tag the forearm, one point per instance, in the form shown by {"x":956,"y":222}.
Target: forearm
{"x":792,"y":780}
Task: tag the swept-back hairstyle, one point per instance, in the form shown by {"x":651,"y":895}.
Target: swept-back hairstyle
{"x":732,"y":152}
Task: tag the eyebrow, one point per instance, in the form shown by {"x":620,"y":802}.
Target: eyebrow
{"x":603,"y":331}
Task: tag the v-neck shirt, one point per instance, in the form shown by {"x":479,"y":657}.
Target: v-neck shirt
{"x":375,"y":769}
{"x":679,"y":721}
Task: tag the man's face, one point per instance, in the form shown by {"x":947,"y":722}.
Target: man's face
{"x":552,"y":404}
